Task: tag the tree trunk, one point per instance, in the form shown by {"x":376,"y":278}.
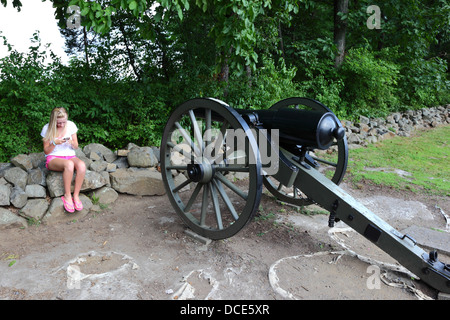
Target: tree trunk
{"x":129,"y":53}
{"x":280,"y":35}
{"x":340,"y":29}
{"x":86,"y":51}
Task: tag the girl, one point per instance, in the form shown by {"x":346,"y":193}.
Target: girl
{"x":60,"y":141}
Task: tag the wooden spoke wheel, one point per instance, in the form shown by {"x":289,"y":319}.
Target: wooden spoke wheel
{"x":211,"y":168}
{"x":332,"y":166}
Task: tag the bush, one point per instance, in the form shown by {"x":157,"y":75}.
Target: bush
{"x":26,"y":99}
{"x":370,"y":83}
{"x":424,"y":83}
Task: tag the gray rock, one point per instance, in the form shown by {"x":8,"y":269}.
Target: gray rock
{"x":138,"y":182}
{"x":37,"y":176}
{"x":37,"y":159}
{"x":18,"y":197}
{"x":55,"y":185}
{"x":105,"y":195}
{"x":56,"y":213}
{"x":107,"y":154}
{"x":4,"y":167}
{"x":17,"y":176}
{"x":35,"y":191}
{"x":157,"y":153}
{"x":363,"y":119}
{"x":121,"y":163}
{"x":22,"y":161}
{"x":106,"y":178}
{"x":397,"y":116}
{"x":142,"y":157}
{"x":93,"y":180}
{"x":34,"y":209}
{"x":10,"y":220}
{"x":94,"y":156}
{"x":98,"y":165}
{"x":111,"y":167}
{"x":353,"y":139}
{"x":372,"y":139}
{"x":5,"y":194}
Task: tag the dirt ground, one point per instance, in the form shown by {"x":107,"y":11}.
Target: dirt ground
{"x":137,"y":249}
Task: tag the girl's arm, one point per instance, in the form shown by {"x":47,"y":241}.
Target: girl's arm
{"x":74,"y":141}
{"x":50,"y":145}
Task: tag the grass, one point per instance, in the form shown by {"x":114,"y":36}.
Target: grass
{"x":423,"y":160}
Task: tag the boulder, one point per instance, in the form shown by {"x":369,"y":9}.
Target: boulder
{"x":4,"y":167}
{"x":22,"y":161}
{"x":5,"y":194}
{"x":37,"y":159}
{"x":142,"y":157}
{"x":57,"y":214}
{"x":35,"y":191}
{"x":55,"y":184}
{"x":18,"y":197}
{"x":34,"y":209}
{"x":10,"y":220}
{"x":98,"y":165}
{"x":37,"y":176}
{"x":92,"y":180}
{"x":100,"y":149}
{"x":17,"y":176}
{"x":143,"y":182}
{"x":105,"y":195}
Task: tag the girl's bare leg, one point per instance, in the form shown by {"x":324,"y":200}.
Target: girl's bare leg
{"x":67,"y":168}
{"x":80,"y":168}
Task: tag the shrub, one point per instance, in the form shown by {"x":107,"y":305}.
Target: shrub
{"x":370,"y":83}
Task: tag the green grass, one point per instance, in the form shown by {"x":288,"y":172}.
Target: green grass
{"x":424,"y":157}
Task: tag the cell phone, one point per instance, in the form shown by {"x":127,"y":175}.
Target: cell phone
{"x":66,"y":138}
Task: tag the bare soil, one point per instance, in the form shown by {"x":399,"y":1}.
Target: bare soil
{"x":137,"y":248}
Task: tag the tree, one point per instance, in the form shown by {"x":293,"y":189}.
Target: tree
{"x":340,"y":29}
{"x":16,"y":3}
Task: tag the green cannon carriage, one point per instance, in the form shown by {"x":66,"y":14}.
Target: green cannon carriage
{"x":216,"y":159}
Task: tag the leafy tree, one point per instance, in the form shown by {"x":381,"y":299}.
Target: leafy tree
{"x":133,"y":61}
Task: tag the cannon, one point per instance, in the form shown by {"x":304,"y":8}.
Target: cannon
{"x":216,"y":159}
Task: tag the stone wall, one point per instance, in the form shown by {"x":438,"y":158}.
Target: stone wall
{"x":30,"y":192}
{"x":396,"y":124}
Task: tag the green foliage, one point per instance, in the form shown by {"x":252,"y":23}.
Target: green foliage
{"x":25,"y":97}
{"x":133,"y":62}
{"x":270,"y":84}
{"x":370,"y":83}
{"x":424,"y":83}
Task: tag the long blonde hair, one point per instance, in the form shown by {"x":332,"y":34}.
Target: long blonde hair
{"x":52,"y":132}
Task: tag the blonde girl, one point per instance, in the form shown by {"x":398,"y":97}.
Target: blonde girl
{"x":60,"y":141}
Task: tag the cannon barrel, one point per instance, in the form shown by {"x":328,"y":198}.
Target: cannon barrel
{"x":308,"y":128}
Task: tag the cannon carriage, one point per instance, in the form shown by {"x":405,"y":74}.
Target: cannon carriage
{"x":216,"y":159}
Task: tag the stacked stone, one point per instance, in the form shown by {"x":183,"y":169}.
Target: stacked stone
{"x":30,"y":192}
{"x":371,"y":130}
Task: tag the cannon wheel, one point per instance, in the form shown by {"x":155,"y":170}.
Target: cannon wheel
{"x":337,"y":166}
{"x":214,"y":189}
